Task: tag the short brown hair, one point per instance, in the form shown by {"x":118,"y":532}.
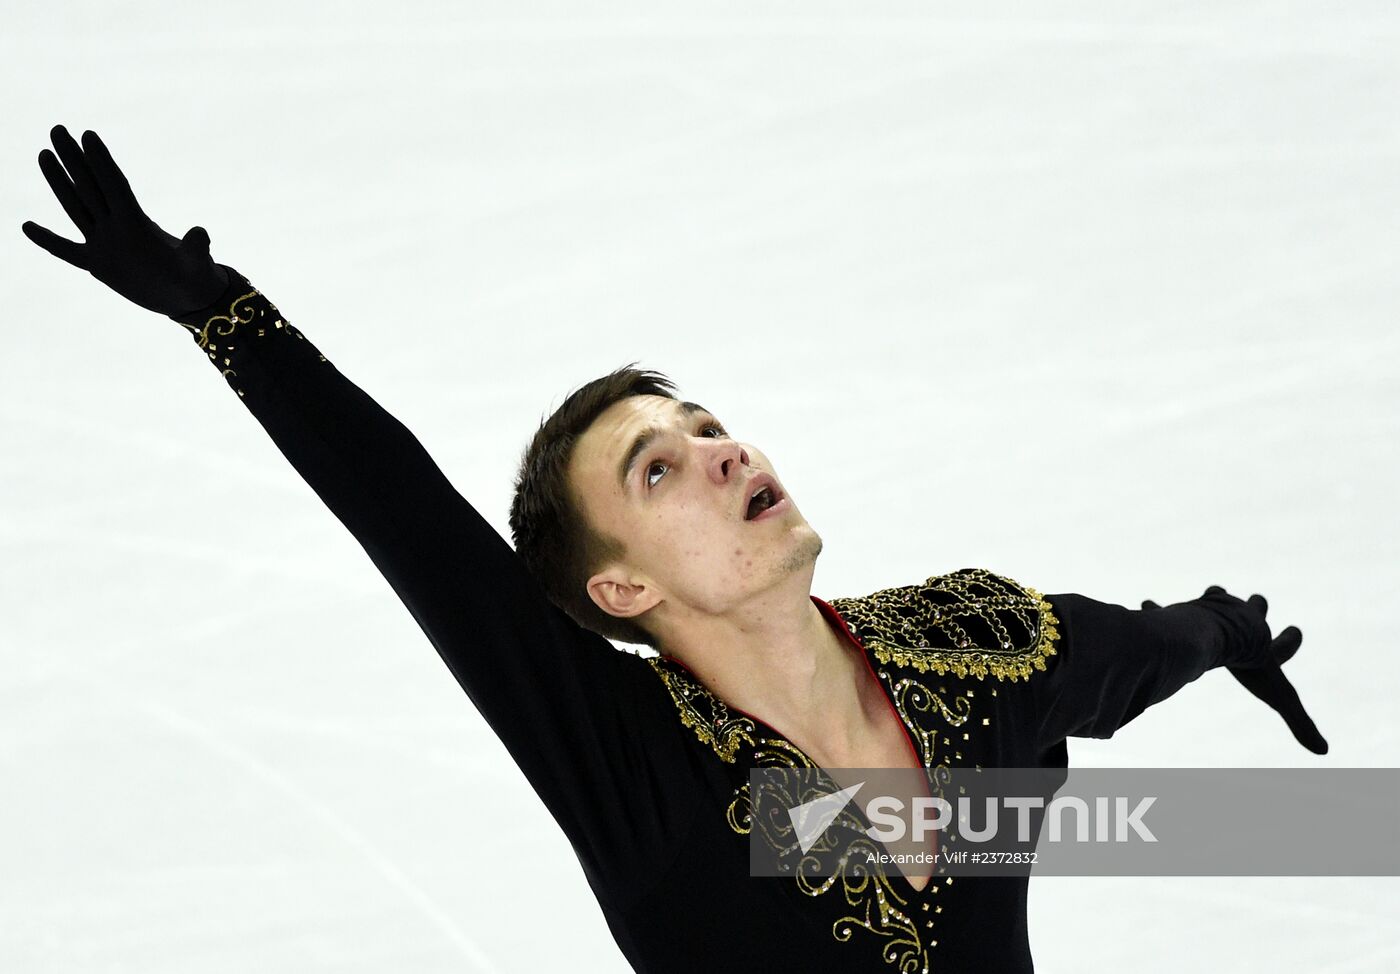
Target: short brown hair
{"x":550,"y":531}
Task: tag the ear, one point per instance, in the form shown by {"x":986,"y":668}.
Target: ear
{"x":619,"y":594}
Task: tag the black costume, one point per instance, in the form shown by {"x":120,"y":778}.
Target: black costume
{"x":646,"y":770}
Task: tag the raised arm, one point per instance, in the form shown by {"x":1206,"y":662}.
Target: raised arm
{"x":1114,"y":662}
{"x":566,"y":704}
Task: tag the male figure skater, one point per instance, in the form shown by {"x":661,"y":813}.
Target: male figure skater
{"x":637,"y":516}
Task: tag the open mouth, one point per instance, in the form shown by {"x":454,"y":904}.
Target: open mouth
{"x":761,"y":500}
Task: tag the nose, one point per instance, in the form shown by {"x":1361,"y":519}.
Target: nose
{"x":726,"y":459}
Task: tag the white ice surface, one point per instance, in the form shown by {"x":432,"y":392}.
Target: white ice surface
{"x":1099,"y":296}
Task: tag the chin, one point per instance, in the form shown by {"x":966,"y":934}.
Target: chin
{"x":803,"y":554}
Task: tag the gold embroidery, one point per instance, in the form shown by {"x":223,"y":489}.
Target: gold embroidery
{"x":222,"y":325}
{"x":702,"y":711}
{"x":875,"y":905}
{"x":968,"y":623}
{"x":243,"y":311}
{"x":882,"y":915}
{"x":912,"y":697}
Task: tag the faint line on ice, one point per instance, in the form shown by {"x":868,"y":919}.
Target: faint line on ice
{"x":250,"y":762}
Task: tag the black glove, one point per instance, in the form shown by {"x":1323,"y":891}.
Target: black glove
{"x":125,"y":250}
{"x":1263,"y":674}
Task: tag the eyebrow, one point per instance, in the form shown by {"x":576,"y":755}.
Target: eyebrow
{"x":645,"y":439}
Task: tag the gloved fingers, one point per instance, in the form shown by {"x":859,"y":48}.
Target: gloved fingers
{"x":1286,"y":644}
{"x":63,"y":249}
{"x":80,"y":172}
{"x":1149,"y":604}
{"x":1260,"y":603}
{"x":62,"y":188}
{"x":1271,"y":686}
{"x":112,"y":180}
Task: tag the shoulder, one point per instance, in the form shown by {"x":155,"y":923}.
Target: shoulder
{"x":702,"y":711}
{"x":970,"y":622}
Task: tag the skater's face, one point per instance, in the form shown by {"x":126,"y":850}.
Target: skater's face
{"x":666,"y":480}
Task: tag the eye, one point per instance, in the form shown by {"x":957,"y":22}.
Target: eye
{"x":650,"y":467}
{"x":658,"y":469}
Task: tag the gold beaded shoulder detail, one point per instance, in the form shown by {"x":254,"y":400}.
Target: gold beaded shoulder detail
{"x":702,"y":711}
{"x":969,"y":622}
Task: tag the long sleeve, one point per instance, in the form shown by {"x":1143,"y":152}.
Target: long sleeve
{"x":571,"y":709}
{"x":1112,"y":663}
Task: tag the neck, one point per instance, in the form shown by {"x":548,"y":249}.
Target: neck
{"x":778,"y":658}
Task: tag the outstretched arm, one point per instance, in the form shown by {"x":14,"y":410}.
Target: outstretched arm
{"x":569,"y":707}
{"x":1113,"y":662}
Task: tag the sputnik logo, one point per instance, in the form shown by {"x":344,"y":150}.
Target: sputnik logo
{"x":811,"y":819}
